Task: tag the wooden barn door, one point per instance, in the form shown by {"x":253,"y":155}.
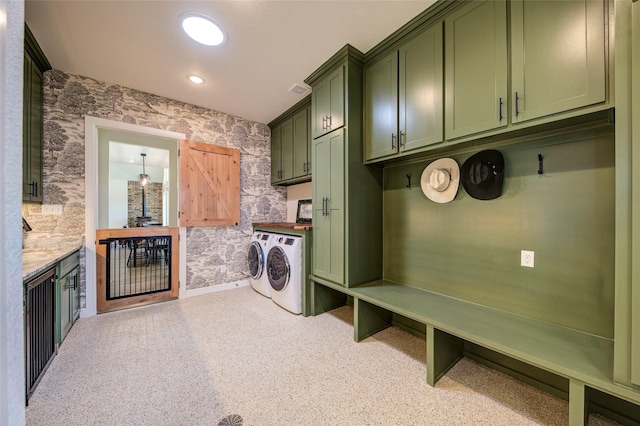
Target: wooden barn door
{"x":209,"y":185}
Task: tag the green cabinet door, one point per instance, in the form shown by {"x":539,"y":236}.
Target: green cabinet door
{"x":635,"y":134}
{"x":476,"y":68}
{"x":276,"y":154}
{"x":65,"y":306}
{"x":420,"y":89}
{"x":301,"y":142}
{"x":328,"y":207}
{"x":328,"y":103}
{"x":381,"y":108}
{"x":286,"y":147}
{"x":32,"y":141}
{"x":558,"y":56}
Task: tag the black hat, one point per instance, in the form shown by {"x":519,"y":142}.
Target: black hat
{"x":482,"y":175}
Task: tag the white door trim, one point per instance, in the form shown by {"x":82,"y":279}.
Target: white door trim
{"x":91,"y":126}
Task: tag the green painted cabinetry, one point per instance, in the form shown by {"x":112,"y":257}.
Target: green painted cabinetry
{"x":290,"y":145}
{"x":328,"y":207}
{"x":276,"y":154}
{"x":557,"y":63}
{"x":635,"y":290}
{"x":627,"y":93}
{"x":347,"y":194}
{"x":328,"y":103}
{"x":68,"y":294}
{"x":476,"y":68}
{"x":35,"y":64}
{"x":301,"y":143}
{"x":403,"y":97}
{"x":557,"y":56}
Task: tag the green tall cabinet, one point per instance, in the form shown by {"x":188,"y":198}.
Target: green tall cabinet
{"x":404,"y":97}
{"x":476,"y":68}
{"x":347,"y":194}
{"x":328,"y":215}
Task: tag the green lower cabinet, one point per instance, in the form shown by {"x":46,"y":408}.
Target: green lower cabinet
{"x":557,"y":56}
{"x":328,"y":207}
{"x":68,"y":295}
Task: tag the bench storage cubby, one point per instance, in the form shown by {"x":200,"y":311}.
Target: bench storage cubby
{"x":583,"y":359}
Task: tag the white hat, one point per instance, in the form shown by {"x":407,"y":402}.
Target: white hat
{"x":440,"y":180}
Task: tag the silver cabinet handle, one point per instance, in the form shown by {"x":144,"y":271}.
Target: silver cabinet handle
{"x":402,"y":134}
{"x":393,"y":140}
{"x":500,"y":109}
{"x":329,"y":121}
{"x":517,"y":98}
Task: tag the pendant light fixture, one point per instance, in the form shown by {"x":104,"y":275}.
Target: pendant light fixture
{"x":144,"y":177}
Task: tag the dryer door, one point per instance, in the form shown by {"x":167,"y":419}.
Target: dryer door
{"x":278,"y":269}
{"x":256,"y":260}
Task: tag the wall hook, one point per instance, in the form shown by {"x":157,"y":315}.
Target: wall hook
{"x":540,"y":165}
{"x":409,"y":181}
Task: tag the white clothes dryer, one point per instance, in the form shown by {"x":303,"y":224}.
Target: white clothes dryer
{"x":257,"y":259}
{"x":284,"y":271}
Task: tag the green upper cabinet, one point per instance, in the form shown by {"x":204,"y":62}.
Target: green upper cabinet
{"x":557,"y":56}
{"x":286,"y":150}
{"x":476,"y":68}
{"x":557,"y":63}
{"x":328,"y":207}
{"x":328,"y":103}
{"x":290,"y":142}
{"x":302,"y":142}
{"x":421,"y":88}
{"x":276,"y":154}
{"x":403,"y":98}
{"x":35,"y":63}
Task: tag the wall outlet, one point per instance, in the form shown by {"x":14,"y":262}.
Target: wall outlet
{"x":526,"y":258}
{"x":52,"y":209}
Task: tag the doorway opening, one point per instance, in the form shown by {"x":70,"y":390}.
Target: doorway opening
{"x":117,"y":202}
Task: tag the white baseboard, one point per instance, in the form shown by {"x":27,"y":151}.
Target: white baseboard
{"x":216,"y":288}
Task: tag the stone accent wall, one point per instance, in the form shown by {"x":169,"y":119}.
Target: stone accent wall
{"x":153,"y":200}
{"x":215,"y":255}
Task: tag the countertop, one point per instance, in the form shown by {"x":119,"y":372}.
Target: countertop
{"x":285,"y":225}
{"x":35,"y":262}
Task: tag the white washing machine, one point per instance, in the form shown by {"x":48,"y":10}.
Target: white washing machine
{"x":257,"y":258}
{"x":284,"y":271}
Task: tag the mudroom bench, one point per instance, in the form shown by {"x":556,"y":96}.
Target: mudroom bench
{"x":583,"y":359}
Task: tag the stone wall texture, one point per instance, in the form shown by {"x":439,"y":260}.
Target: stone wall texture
{"x":215,"y":255}
{"x":153,"y":201}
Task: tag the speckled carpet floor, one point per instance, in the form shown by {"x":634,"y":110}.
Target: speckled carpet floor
{"x":201,"y":360}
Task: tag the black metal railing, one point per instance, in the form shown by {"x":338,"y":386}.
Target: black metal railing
{"x":137,"y":266}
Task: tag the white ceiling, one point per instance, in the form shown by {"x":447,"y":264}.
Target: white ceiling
{"x":272,"y":45}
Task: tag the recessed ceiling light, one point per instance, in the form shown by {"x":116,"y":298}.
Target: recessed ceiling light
{"x":202,"y":29}
{"x":195,"y":79}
